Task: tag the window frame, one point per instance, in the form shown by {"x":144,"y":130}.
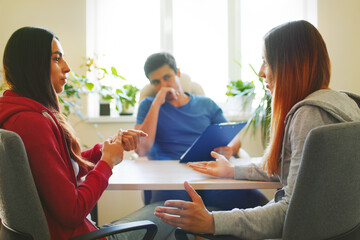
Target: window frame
{"x":234,"y":8}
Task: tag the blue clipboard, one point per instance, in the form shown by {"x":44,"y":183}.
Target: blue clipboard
{"x":215,"y":135}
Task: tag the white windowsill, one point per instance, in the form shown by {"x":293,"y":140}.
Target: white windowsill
{"x":131,"y":119}
{"x":110,"y":119}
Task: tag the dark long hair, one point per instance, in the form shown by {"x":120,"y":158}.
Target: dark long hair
{"x":298,"y":58}
{"x":26,"y":64}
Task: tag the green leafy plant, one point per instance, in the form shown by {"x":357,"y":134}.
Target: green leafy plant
{"x":2,"y":82}
{"x":70,"y":98}
{"x":130,"y":91}
{"x":82,"y":85}
{"x":239,"y":87}
{"x":261,"y":115}
{"x":242,"y":89}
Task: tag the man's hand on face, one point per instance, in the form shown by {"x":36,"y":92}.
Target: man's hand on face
{"x":166,"y":94}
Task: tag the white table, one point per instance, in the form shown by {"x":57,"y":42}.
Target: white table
{"x":170,"y":175}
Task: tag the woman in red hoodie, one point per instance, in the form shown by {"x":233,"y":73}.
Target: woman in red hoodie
{"x":35,"y":70}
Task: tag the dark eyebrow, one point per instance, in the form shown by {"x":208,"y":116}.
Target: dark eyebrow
{"x":58,"y":52}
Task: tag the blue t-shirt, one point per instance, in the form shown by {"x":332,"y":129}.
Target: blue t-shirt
{"x":179,"y":127}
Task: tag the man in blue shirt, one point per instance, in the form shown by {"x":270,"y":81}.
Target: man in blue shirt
{"x":173,"y":120}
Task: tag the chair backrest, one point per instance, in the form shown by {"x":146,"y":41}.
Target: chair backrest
{"x":20,"y":207}
{"x":326,"y":198}
{"x":186,"y":84}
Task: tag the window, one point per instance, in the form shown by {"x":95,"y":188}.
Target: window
{"x":259,"y":16}
{"x":205,"y":36}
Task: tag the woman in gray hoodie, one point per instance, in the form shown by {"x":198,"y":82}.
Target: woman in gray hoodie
{"x":296,"y":69}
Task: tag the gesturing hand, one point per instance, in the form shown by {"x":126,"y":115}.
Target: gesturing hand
{"x":219,"y":168}
{"x":226,"y":151}
{"x":192,"y":216}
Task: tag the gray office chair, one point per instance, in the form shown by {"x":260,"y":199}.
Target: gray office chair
{"x":21,"y":212}
{"x":326,"y":200}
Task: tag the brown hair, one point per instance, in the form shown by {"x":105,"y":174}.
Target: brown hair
{"x":26,"y":64}
{"x":298,"y":58}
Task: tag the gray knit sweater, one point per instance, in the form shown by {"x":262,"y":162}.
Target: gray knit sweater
{"x":319,"y":108}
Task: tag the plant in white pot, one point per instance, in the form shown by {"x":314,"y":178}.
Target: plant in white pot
{"x":127,"y":97}
{"x":259,"y":116}
{"x":242,"y":93}
{"x":97,"y":82}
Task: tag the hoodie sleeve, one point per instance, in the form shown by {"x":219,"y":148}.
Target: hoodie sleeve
{"x":53,"y":172}
{"x":92,"y":155}
{"x":253,"y":170}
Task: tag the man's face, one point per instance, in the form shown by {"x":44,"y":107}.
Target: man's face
{"x":164,"y":77}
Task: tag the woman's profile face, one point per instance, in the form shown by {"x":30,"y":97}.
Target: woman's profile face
{"x":266,"y":73}
{"x":58,"y":67}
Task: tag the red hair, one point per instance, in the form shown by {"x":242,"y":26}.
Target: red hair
{"x":300,"y":63}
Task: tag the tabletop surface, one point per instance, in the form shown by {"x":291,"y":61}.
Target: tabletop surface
{"x":170,"y":175}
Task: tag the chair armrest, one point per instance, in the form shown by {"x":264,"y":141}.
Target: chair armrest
{"x":124,"y":227}
{"x":180,"y":234}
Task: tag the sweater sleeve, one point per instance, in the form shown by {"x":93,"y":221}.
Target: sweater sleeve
{"x":253,"y":171}
{"x":267,"y":221}
{"x":252,"y":223}
{"x":53,"y":173}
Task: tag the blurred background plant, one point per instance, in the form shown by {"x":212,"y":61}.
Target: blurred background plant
{"x":262,"y":113}
{"x":2,"y":82}
{"x":243,"y":92}
{"x":239,"y":87}
{"x":128,"y":103}
{"x":96,"y":82}
{"x":253,"y":94}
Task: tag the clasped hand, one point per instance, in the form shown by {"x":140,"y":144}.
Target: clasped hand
{"x":113,"y":147}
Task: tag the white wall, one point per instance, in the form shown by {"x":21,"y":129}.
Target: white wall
{"x":65,"y":18}
{"x":338,"y":23}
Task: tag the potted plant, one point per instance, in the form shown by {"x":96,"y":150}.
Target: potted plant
{"x":242,"y":93}
{"x":261,"y":115}
{"x":127,"y":97}
{"x":97,"y":83}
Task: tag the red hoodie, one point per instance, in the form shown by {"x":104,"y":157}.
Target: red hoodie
{"x":66,"y":204}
